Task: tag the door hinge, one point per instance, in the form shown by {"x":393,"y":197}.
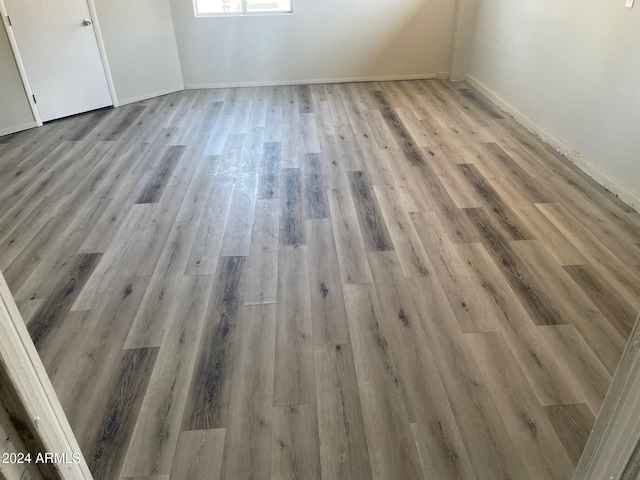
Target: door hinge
{"x":34,"y":99}
{"x":9,"y":20}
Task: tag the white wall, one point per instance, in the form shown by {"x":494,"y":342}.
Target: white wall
{"x":322,"y":40}
{"x":141,"y":47}
{"x":572,"y":69}
{"x":15,"y":112}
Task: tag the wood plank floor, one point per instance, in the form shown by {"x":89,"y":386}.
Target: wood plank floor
{"x":357,"y":281}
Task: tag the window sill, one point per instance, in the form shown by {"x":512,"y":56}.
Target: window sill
{"x":242,"y":14}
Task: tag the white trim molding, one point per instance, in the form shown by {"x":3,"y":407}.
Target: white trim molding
{"x":18,"y":128}
{"x":607,"y":181}
{"x":314,"y":81}
{"x":147,"y":96}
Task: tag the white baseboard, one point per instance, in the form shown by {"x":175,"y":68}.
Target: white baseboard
{"x":147,"y":96}
{"x":18,"y":128}
{"x":607,"y":181}
{"x":307,"y":81}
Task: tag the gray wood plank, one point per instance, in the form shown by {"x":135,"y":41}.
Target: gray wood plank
{"x":247,"y":451}
{"x":53,"y":309}
{"x":106,"y":454}
{"x":373,"y":227}
{"x":237,"y":231}
{"x":491,"y":448}
{"x":535,"y":439}
{"x":208,"y":400}
{"x":315,"y":191}
{"x":296,"y":452}
{"x":155,"y":436}
{"x":199,"y":455}
{"x":261,"y":281}
{"x":392,"y":450}
{"x":328,"y":312}
{"x":292,"y":217}
{"x":343,"y":445}
{"x":354,"y":267}
{"x":294,"y":369}
{"x":269,"y":182}
{"x":573,"y":425}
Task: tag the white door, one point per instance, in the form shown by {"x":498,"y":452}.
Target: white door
{"x":60,"y":54}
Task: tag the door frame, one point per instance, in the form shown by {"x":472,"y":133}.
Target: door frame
{"x":103,"y":51}
{"x":30,"y":399}
{"x":23,"y":73}
{"x":612,"y":448}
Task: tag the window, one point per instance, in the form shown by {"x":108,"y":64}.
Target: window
{"x":231,"y":7}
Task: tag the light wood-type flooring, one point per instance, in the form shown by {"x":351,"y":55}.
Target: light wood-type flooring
{"x":358,"y":281}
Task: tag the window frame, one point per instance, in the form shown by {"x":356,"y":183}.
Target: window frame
{"x":243,"y":13}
